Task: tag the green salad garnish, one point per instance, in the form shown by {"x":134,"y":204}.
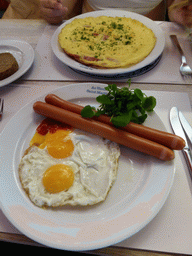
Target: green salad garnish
{"x":123,"y":105}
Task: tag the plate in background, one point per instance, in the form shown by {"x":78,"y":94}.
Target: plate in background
{"x":23,"y":53}
{"x":154,"y":55}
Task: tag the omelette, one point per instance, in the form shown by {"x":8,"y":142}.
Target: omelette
{"x":107,"y":42}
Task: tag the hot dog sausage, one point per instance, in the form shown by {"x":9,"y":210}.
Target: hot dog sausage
{"x":167,"y":139}
{"x":104,"y":130}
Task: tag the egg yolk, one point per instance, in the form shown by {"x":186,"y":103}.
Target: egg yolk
{"x":59,"y":144}
{"x":37,"y":139}
{"x":57,"y":178}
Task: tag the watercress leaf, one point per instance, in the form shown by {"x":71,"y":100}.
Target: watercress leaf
{"x":87,"y":112}
{"x":122,"y":120}
{"x":104,"y":99}
{"x":134,"y":117}
{"x":142,"y":110}
{"x":107,"y":88}
{"x":129,"y":82}
{"x":114,"y":87}
{"x":130,"y":106}
{"x":99,"y":112}
{"x":118,"y":103}
{"x":141,"y":119}
{"x":139,"y":94}
{"x":149,"y":103}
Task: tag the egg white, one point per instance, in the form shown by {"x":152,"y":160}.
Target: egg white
{"x":94,"y":162}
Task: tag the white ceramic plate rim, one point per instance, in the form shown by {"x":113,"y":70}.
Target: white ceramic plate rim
{"x":27,"y":53}
{"x":156,"y":52}
{"x":85,"y":229}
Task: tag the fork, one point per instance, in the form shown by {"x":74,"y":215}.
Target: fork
{"x":185,"y":70}
{"x":1,"y":107}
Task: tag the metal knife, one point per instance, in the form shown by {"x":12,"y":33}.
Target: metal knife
{"x":178,"y":130}
{"x":186,"y":126}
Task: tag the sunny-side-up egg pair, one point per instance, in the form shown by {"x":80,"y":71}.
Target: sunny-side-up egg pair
{"x":66,"y":166}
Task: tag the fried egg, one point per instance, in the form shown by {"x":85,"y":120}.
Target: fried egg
{"x":68,"y":167}
{"x":107,"y":42}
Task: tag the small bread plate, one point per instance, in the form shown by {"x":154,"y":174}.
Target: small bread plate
{"x":112,"y":73}
{"x":142,"y":186}
{"x":23,"y":53}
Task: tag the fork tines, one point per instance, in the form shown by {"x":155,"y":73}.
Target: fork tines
{"x":1,"y":107}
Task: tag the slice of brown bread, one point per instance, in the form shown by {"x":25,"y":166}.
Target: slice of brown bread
{"x":8,"y":65}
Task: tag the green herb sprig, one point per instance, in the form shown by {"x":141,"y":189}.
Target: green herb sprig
{"x":122,"y":105}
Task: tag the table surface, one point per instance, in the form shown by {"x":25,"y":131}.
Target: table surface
{"x":31,"y":31}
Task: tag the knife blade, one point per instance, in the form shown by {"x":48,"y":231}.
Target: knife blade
{"x":178,"y":130}
{"x":186,"y":126}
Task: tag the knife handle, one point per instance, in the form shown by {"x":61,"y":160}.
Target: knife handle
{"x":188,"y":157}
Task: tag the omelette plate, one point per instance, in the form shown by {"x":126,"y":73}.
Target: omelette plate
{"x":127,"y":75}
{"x":156,"y":52}
{"x":142,"y":187}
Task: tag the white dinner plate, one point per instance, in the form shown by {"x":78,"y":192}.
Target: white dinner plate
{"x":156,"y":52}
{"x":23,"y":53}
{"x":140,"y":190}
